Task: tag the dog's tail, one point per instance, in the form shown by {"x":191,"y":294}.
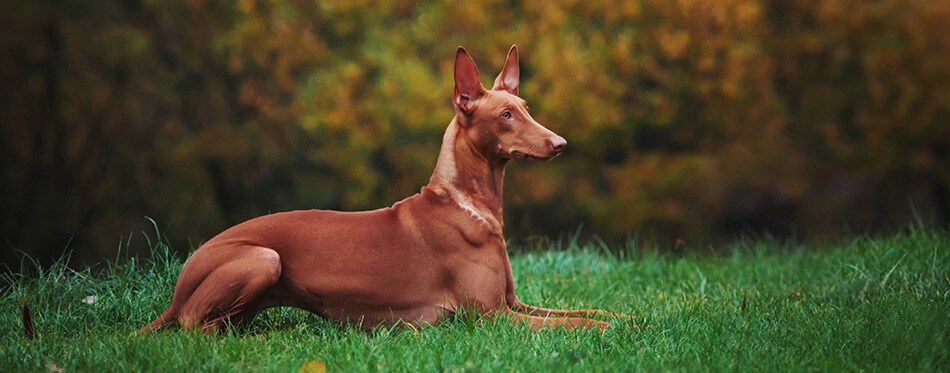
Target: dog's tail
{"x":169,"y":316}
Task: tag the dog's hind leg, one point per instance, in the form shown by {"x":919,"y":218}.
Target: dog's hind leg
{"x":229,"y":290}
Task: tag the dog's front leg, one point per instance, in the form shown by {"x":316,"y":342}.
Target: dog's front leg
{"x":517,"y":306}
{"x":551,"y":321}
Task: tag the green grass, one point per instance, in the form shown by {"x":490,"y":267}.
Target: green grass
{"x":879,"y":304}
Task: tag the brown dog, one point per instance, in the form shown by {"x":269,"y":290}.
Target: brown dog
{"x":418,"y":262}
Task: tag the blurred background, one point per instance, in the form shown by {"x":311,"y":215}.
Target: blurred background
{"x":687,"y":121}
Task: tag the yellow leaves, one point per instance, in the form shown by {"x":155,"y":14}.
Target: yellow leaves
{"x":626,"y":9}
{"x":623,"y":57}
{"x":313,"y":367}
{"x":550,"y":15}
{"x":673,"y":43}
{"x":247,"y":6}
{"x":343,"y":6}
{"x":747,"y":12}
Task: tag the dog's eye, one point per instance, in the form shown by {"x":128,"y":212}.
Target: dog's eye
{"x":506,"y":114}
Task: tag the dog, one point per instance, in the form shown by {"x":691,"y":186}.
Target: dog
{"x":418,"y":262}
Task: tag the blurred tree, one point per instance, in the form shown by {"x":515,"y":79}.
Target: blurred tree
{"x":686,"y":119}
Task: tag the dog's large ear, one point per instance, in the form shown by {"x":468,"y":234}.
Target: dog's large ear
{"x":508,"y":78}
{"x":468,"y":87}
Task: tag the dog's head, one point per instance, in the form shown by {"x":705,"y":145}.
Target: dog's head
{"x":497,"y":121}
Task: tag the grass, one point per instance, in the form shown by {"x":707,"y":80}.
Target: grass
{"x":878,"y":303}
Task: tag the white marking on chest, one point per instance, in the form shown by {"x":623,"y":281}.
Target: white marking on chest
{"x":466,"y":205}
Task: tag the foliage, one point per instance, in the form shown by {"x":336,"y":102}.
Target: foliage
{"x":876,"y":303}
{"x":685,"y":119}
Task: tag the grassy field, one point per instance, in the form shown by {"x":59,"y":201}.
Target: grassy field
{"x":877,"y":303}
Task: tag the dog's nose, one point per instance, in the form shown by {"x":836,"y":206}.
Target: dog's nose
{"x":558,"y":144}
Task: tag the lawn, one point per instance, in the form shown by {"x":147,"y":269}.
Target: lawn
{"x":874,"y":303}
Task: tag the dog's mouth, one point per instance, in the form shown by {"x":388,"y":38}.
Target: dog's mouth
{"x":531,"y":157}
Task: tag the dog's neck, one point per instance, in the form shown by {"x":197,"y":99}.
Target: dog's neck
{"x":469,"y":179}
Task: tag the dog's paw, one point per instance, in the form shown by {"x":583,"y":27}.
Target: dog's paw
{"x":600,"y":325}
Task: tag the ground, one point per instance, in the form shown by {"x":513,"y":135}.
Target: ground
{"x":872,"y":303}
